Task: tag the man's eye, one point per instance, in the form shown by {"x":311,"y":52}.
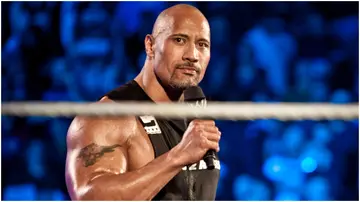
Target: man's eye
{"x":203,"y":45}
{"x":180,"y":40}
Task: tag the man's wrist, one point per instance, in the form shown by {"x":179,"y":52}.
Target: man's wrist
{"x":174,"y":158}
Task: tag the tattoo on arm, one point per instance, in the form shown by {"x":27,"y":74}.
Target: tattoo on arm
{"x":93,"y":152}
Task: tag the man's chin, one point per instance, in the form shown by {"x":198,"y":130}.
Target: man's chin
{"x":183,"y":84}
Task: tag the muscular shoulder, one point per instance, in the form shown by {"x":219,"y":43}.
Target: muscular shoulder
{"x":102,"y":130}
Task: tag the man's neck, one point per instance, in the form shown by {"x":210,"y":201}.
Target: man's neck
{"x":173,"y":94}
{"x":154,"y":89}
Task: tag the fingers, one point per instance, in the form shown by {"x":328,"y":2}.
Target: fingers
{"x":211,"y":129}
{"x":215,"y":137}
{"x":212,"y":137}
{"x":208,"y":132}
{"x":205,"y":125}
{"x":213,"y":145}
{"x":203,"y":122}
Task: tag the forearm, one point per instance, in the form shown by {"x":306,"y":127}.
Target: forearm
{"x":141,"y":184}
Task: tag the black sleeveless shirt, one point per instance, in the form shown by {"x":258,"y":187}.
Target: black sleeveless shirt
{"x":193,"y":182}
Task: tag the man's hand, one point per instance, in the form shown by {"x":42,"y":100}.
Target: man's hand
{"x":200,"y":136}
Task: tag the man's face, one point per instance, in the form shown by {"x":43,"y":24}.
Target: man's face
{"x":182,"y":51}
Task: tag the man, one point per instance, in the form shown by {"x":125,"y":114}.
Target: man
{"x":143,"y":158}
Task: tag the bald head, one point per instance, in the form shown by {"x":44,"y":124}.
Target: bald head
{"x":178,"y":49}
{"x":171,"y":15}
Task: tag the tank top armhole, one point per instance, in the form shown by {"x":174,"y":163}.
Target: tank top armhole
{"x":154,"y":132}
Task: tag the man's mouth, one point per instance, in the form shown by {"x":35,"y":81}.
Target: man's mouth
{"x":188,"y":70}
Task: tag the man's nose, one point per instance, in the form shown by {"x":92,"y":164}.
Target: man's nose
{"x":191,"y":54}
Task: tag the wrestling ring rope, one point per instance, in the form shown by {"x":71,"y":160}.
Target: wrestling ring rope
{"x":214,"y":110}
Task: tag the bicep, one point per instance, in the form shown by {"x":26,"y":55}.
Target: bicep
{"x":93,"y":152}
{"x":94,"y":159}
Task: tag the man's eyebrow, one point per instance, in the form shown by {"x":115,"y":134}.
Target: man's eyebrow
{"x":181,"y":35}
{"x":204,"y":40}
{"x":187,"y":37}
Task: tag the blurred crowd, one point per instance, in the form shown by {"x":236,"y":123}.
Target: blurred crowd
{"x":261,"y":52}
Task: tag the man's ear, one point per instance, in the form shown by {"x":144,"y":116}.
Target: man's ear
{"x":149,"y":45}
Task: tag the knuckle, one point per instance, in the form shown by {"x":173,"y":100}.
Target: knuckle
{"x":199,"y":127}
{"x":195,"y":122}
{"x":201,"y":132}
{"x":203,"y":143}
{"x":216,"y":146}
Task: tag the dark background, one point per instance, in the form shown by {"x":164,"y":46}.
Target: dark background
{"x":261,"y":52}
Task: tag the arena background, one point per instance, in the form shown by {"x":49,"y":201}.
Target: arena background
{"x":261,"y":52}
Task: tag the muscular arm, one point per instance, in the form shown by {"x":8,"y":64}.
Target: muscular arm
{"x":97,"y":163}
